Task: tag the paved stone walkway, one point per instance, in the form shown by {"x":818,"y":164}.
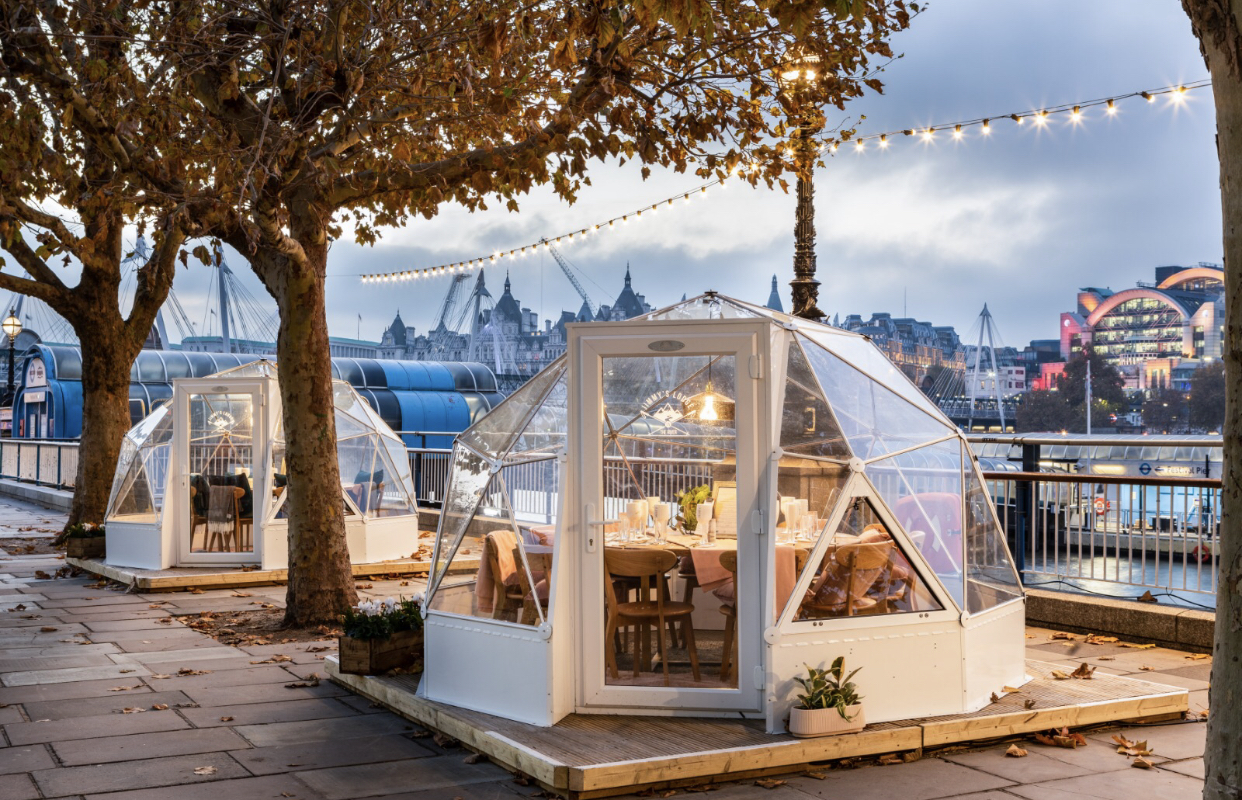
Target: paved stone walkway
{"x":74,"y":658}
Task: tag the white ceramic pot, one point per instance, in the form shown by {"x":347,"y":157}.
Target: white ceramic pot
{"x":807,"y":723}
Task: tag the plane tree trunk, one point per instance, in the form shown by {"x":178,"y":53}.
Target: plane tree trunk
{"x":1218,"y":25}
{"x":321,"y":584}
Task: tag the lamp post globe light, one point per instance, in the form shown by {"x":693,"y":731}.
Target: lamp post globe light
{"x":795,"y":77}
{"x":11,"y":326}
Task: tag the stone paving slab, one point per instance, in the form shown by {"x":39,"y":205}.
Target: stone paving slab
{"x":323,"y":730}
{"x":261,"y":693}
{"x":172,"y":771}
{"x":345,"y":752}
{"x":190,"y":656}
{"x":112,"y":625}
{"x":148,"y":745}
{"x":18,"y":787}
{"x":263,"y":713}
{"x":268,"y":787}
{"x":8,"y":665}
{"x":27,"y":758}
{"x":370,"y":780}
{"x":244,"y":675}
{"x":1130,"y":784}
{"x":95,"y":706}
{"x":64,"y":691}
{"x":37,"y":677}
{"x":923,"y":780}
{"x":99,"y":726}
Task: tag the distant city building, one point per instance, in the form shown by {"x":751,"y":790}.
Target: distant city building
{"x":507,"y":336}
{"x":340,"y":347}
{"x":1154,"y":332}
{"x":774,"y":299}
{"x":917,"y":348}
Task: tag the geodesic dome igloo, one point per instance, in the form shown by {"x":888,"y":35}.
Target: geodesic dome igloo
{"x":202,"y":480}
{"x":688,"y":508}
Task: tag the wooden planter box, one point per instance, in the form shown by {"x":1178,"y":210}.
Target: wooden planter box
{"x":85,"y":548}
{"x":402,"y":650}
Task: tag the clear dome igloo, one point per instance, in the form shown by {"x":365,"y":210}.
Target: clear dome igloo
{"x":202,"y":479}
{"x":687,"y":508}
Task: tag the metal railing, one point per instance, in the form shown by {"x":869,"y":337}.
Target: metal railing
{"x":1081,"y":523}
{"x":46,"y":462}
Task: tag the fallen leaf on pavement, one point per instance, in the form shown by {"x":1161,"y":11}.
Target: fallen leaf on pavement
{"x":47,"y":629}
{"x":1009,"y":689}
{"x":1059,"y":675}
{"x":1067,"y":636}
{"x":160,"y":707}
{"x":204,"y":770}
{"x":133,"y":710}
{"x":1015,"y":751}
{"x":196,"y":590}
{"x":1192,"y":656}
{"x":769,"y":783}
{"x":1141,"y":763}
{"x":1107,"y":658}
{"x":1146,"y":668}
{"x":819,"y":776}
{"x":127,"y":671}
{"x":276,"y":659}
{"x":242,"y":594}
{"x":188,"y":671}
{"x":159,"y":677}
{"x":1083,"y":672}
{"x":888,"y":759}
{"x":473,"y":758}
{"x":123,"y":688}
{"x":1028,"y":704}
{"x":226,"y":719}
{"x":1147,"y":597}
{"x":1096,"y":639}
{"x":1137,"y":646}
{"x":995,"y":697}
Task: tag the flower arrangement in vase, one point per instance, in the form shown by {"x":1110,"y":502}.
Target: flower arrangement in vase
{"x":830,"y":703}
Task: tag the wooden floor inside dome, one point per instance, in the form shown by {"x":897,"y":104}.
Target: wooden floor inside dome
{"x":586,"y":756}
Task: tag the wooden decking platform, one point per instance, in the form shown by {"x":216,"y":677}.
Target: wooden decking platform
{"x":178,"y":578}
{"x":588,"y":756}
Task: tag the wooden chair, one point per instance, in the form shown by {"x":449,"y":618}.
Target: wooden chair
{"x":856,"y":570}
{"x":541,"y":571}
{"x":507,"y":594}
{"x":652,"y":606}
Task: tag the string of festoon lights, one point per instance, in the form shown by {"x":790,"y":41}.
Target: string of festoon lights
{"x":1038,"y":117}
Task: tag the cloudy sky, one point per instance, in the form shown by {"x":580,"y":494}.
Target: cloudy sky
{"x":1018,"y":221}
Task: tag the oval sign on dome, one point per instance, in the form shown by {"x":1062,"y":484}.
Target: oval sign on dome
{"x":666,"y":346}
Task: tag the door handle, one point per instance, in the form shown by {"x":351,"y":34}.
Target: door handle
{"x":591,"y":543}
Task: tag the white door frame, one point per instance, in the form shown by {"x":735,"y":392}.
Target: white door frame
{"x":259,"y":468}
{"x":748,"y":341}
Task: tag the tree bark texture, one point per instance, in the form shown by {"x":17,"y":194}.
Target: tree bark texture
{"x":321,"y":585}
{"x":107,"y":354}
{"x":1218,"y":25}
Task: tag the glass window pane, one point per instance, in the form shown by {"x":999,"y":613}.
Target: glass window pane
{"x":869,"y":360}
{"x":863,"y":571}
{"x":495,"y":433}
{"x":923,"y":488}
{"x":221,"y":446}
{"x":807,"y":424}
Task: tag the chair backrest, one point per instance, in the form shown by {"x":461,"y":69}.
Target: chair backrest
{"x":497,"y":542}
{"x":728,"y":560}
{"x":637,"y":563}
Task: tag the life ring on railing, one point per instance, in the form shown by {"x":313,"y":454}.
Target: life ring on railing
{"x":1102,"y":506}
{"x":1202,"y":553}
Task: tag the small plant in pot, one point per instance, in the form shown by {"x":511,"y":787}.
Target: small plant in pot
{"x":830,"y":703}
{"x":382,"y":635}
{"x":84,"y":540}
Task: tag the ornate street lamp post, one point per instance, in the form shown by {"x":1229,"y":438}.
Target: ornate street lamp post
{"x":795,"y":77}
{"x":12,"y":326}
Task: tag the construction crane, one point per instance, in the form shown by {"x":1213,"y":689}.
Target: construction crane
{"x":569,"y":274}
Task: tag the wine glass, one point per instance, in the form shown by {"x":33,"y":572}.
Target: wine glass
{"x":660,"y":513}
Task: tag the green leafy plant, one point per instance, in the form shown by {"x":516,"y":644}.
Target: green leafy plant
{"x":379,"y":619}
{"x":689,"y":501}
{"x":80,"y":530}
{"x":826,"y":688}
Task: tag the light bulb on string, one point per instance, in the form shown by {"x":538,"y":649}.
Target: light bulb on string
{"x":987,"y":127}
{"x":883,"y":140}
{"x":957,"y":132}
{"x":858,"y":146}
{"x":1076,"y":115}
{"x":1112,"y":107}
{"x":1041,"y":118}
{"x":1148,"y":96}
{"x":708,"y":412}
{"x":1178,"y":95}
{"x":929,"y":134}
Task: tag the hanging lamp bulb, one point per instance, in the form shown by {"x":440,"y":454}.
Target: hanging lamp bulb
{"x":708,"y":412}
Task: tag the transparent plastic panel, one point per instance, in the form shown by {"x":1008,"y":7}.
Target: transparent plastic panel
{"x":222,"y":459}
{"x":704,"y":307}
{"x":807,"y":492}
{"x":808,"y":427}
{"x":396,"y":492}
{"x":870,"y":360}
{"x":469,"y":475}
{"x":923,"y":490}
{"x":875,"y":420}
{"x":134,"y":498}
{"x":495,"y":433}
{"x":863,"y":571}
{"x":487,"y":575}
{"x":122,"y":478}
{"x":547,"y":430}
{"x":256,"y":369}
{"x":160,"y":418}
{"x":991,"y":578}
